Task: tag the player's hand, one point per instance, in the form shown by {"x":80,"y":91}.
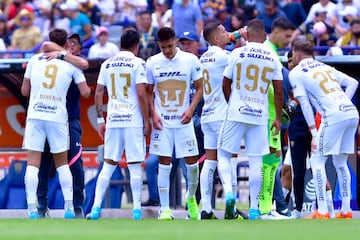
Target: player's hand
{"x":157,"y":122}
{"x":50,"y":55}
{"x":275,"y":127}
{"x":313,"y":144}
{"x":101,"y":130}
{"x":244,"y":33}
{"x":186,"y":117}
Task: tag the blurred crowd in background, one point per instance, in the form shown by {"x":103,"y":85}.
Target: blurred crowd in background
{"x":332,"y":26}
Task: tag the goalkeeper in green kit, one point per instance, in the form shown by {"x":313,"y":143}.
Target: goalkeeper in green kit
{"x":280,"y":35}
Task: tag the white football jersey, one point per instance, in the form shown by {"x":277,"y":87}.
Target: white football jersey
{"x":171,"y":79}
{"x":213,"y":61}
{"x":252,"y":69}
{"x":120,"y":74}
{"x":322,"y":85}
{"x":49,"y":82}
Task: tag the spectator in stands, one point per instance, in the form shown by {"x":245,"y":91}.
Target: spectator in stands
{"x":91,"y":10}
{"x":318,"y":32}
{"x":27,"y":36}
{"x":272,"y":12}
{"x":57,"y":19}
{"x":161,"y":17}
{"x":41,"y":10}
{"x":187,"y":16}
{"x":107,"y":8}
{"x":103,"y":48}
{"x":345,"y":12}
{"x":4,"y":36}
{"x":293,"y":11}
{"x":79,"y":22}
{"x":148,"y":35}
{"x":224,"y":17}
{"x":352,"y":38}
{"x":209,"y":8}
{"x":321,"y":6}
{"x":12,"y":9}
{"x":125,"y":10}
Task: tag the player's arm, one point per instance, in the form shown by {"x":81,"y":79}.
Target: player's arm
{"x":144,"y":107}
{"x":279,"y":101}
{"x":84,"y":89}
{"x":226,"y":87}
{"x":25,"y":87}
{"x":80,"y":79}
{"x":52,"y":50}
{"x":350,"y":84}
{"x":99,"y":104}
{"x":157,"y":122}
{"x":187,"y":115}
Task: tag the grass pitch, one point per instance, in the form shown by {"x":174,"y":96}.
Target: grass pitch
{"x":148,"y":229}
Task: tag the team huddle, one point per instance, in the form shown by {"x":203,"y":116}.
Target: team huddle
{"x":243,"y":101}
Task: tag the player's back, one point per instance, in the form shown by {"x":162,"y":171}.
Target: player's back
{"x":252,"y":69}
{"x":120,"y":74}
{"x":49,"y":81}
{"x":213,"y":61}
{"x":320,"y":84}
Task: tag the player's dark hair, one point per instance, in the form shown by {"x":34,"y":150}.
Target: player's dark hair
{"x":282,"y":23}
{"x":129,"y":39}
{"x":304,"y":46}
{"x":209,"y":29}
{"x":165,"y":34}
{"x":256,"y":25}
{"x":58,"y":36}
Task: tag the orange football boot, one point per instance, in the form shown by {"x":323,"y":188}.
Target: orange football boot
{"x":317,"y":215}
{"x":347,"y":215}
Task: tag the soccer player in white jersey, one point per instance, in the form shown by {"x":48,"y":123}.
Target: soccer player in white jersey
{"x":250,"y":71}
{"x":169,"y":74}
{"x":213,"y":61}
{"x":127,"y":120}
{"x":46,"y":84}
{"x":318,"y":85}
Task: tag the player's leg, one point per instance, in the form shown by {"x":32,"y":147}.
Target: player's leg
{"x":34,"y":139}
{"x":270,"y":163}
{"x":319,"y":177}
{"x":31,"y":181}
{"x":345,"y":147}
{"x":162,"y":145}
{"x":66,"y":183}
{"x":58,"y":138}
{"x":42,"y":189}
{"x":186,"y":147}
{"x":229,"y":142}
{"x":113,"y":149}
{"x":208,"y":170}
{"x":135,"y":148}
{"x":255,"y":147}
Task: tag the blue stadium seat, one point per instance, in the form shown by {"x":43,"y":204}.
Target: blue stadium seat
{"x":12,"y":187}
